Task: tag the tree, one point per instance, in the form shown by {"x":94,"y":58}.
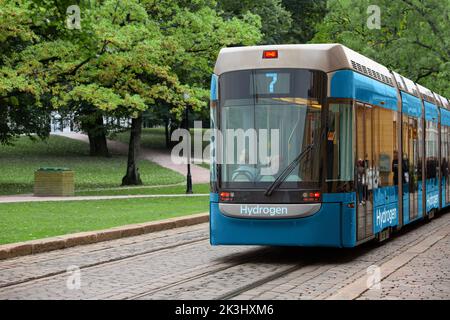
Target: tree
{"x":36,"y":55}
{"x":282,"y":21}
{"x":276,"y":19}
{"x":128,"y":57}
{"x":132,"y":176}
{"x":138,"y":55}
{"x":23,"y":108}
{"x":413,"y":38}
{"x":92,"y":123}
{"x":305,"y":15}
{"x":19,"y":116}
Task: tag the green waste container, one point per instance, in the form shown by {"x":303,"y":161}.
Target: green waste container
{"x":51,"y":181}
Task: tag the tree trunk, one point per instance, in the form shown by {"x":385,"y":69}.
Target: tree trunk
{"x":132,"y":176}
{"x":97,"y":145}
{"x":97,"y":136}
{"x":166,"y":131}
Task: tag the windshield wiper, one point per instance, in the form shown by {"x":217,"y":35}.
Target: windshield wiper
{"x":284,"y":174}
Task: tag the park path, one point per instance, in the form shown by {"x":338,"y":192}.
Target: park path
{"x":199,"y":174}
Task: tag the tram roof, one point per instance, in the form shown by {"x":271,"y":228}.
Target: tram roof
{"x":323,"y":57}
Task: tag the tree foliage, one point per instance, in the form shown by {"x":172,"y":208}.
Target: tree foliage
{"x":276,"y":20}
{"x":306,"y":16}
{"x":282,"y":21}
{"x":413,"y":38}
{"x":21,"y":94}
{"x":128,"y":56}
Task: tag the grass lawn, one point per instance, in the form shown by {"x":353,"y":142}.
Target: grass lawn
{"x":36,"y":220}
{"x":153,"y":138}
{"x":178,"y":189}
{"x":19,"y":162}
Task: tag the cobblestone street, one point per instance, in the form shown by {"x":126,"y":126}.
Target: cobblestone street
{"x":181,"y":264}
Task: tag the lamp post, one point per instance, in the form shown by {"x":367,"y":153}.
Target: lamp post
{"x":188,"y":177}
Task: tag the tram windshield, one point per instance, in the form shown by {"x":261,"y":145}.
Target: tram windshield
{"x":267,"y":118}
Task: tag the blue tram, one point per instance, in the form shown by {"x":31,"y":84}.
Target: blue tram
{"x":360,"y":150}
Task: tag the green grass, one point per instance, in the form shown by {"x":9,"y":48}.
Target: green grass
{"x":36,"y":220}
{"x":178,"y":189}
{"x":152,"y":138}
{"x":19,"y":162}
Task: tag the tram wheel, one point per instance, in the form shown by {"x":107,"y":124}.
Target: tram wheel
{"x":383,"y":235}
{"x":430,"y":216}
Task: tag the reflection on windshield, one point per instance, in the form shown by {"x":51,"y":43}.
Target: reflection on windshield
{"x":297,"y":126}
{"x":296,"y":119}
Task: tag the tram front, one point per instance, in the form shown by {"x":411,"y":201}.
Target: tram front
{"x":268,"y":152}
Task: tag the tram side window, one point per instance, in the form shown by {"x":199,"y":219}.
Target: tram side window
{"x":431,"y":149}
{"x":213,"y":145}
{"x":385,"y":147}
{"x":444,"y":152}
{"x":446,"y":164}
{"x":407,"y":152}
{"x":340,"y":152}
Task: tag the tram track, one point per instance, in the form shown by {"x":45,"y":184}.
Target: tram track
{"x":314,"y":262}
{"x":247,"y":257}
{"x":272,"y":256}
{"x":256,"y":284}
{"x":105,"y":262}
{"x":221,"y":273}
{"x":219,"y":268}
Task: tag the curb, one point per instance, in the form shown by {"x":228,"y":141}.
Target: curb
{"x":8,"y":251}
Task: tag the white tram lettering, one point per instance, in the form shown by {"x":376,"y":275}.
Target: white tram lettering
{"x":433,"y":200}
{"x":260,"y":210}
{"x":385,"y":216}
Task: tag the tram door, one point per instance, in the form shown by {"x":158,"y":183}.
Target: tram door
{"x":416,"y":174}
{"x":406,"y":166}
{"x":364,"y":170}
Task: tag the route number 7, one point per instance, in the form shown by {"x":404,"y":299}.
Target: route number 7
{"x":274,"y":77}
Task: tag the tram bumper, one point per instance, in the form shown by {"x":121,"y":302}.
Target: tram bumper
{"x":332,"y":225}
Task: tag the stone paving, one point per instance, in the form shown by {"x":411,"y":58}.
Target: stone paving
{"x":427,"y":276}
{"x":181,"y":264}
{"x":34,"y":266}
{"x":329,"y":275}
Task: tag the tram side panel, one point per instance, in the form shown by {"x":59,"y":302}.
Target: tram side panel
{"x":379,"y":147}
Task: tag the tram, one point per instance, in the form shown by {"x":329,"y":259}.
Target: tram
{"x":361,"y":151}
